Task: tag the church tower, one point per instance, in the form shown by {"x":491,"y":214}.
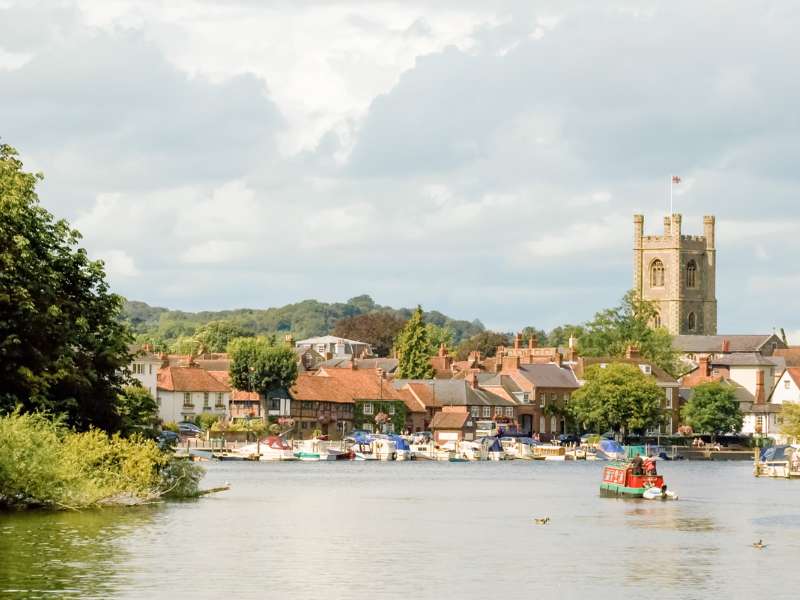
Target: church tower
{"x":677,"y":273}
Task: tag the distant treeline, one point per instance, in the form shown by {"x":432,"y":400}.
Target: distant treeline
{"x":304,"y":319}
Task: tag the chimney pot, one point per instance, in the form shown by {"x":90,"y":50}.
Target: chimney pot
{"x":726,"y":346}
{"x":517,"y":341}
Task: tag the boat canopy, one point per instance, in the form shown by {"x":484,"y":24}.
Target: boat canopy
{"x":361,"y":438}
{"x":611,"y":447}
{"x":775,"y":453}
{"x":495,"y":447}
{"x":400,"y":443}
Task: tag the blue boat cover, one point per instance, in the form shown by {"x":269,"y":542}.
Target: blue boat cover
{"x":774,"y":453}
{"x":495,"y":447}
{"x":400,"y":443}
{"x":611,"y":447}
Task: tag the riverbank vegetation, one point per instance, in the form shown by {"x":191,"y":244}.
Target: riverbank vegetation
{"x":45,"y":464}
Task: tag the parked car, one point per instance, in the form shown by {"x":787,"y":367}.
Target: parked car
{"x":167,"y":438}
{"x":189,"y":429}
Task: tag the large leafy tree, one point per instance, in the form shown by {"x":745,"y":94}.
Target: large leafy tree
{"x":485,"y":342}
{"x":62,"y":347}
{"x":260,"y":365}
{"x":216,"y":335}
{"x":618,"y":397}
{"x":414,"y":349}
{"x":613,"y":330}
{"x":378,"y":329}
{"x":790,"y":413}
{"x":713,"y":409}
{"x":138,"y":411}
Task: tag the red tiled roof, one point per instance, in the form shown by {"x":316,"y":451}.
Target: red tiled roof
{"x":189,"y":379}
{"x":343,"y":386}
{"x":791,"y":355}
{"x":412,"y":402}
{"x":449,"y":420}
{"x":424,"y":393}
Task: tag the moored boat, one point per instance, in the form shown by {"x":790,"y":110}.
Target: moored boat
{"x":620,"y":479}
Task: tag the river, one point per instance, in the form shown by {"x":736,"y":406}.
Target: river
{"x":420,"y":530}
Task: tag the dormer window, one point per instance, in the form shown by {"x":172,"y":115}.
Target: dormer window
{"x":646,"y":369}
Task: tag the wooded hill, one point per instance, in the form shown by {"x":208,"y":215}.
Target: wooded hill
{"x":303,"y":319}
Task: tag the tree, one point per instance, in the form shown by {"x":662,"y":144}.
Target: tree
{"x":216,"y":335}
{"x":713,"y":409}
{"x":63,"y":348}
{"x":377,"y":329}
{"x":138,"y":411}
{"x":438,"y":336}
{"x":615,"y":329}
{"x":790,"y":413}
{"x":485,"y":342}
{"x":533,"y":332}
{"x":259,"y":365}
{"x":414,"y":349}
{"x":618,"y":397}
{"x":559,"y":336}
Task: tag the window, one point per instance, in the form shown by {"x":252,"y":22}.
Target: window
{"x":691,"y":274}
{"x":475,"y":411}
{"x":368,"y":408}
{"x":321,"y":349}
{"x":151,"y":369}
{"x":553,"y":425}
{"x":669,"y":399}
{"x":787,"y":384}
{"x":542,"y":399}
{"x":691,"y":321}
{"x":307,"y":405}
{"x":391,"y":409}
{"x":366,"y":426}
{"x":553,"y":397}
{"x":205,"y":399}
{"x":487,"y":411}
{"x":657,"y":273}
{"x":646,"y":369}
{"x":274,"y":404}
{"x":566,"y":398}
{"x":138,"y":369}
{"x":187,"y":399}
{"x":220,"y":396}
{"x":509,"y":411}
{"x":657,"y":320}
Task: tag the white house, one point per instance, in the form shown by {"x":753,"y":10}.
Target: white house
{"x":144,"y":369}
{"x":185,"y":392}
{"x":788,"y":387}
{"x":331,"y":346}
{"x":765,"y":418}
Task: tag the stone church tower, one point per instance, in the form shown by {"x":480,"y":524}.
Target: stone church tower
{"x":677,"y":273}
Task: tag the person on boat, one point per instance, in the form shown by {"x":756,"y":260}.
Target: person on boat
{"x":664,"y":490}
{"x":649,"y":466}
{"x":637,"y":464}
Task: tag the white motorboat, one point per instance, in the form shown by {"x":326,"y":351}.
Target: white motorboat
{"x":655,"y":493}
{"x":272,"y":448}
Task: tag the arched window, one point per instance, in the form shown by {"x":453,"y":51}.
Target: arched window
{"x":691,"y":274}
{"x":657,"y":320}
{"x":657,"y":273}
{"x":691,"y":321}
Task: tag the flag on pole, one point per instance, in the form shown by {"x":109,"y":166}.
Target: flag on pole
{"x":676,"y":179}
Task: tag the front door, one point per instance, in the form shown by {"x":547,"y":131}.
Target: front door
{"x":526,"y":424}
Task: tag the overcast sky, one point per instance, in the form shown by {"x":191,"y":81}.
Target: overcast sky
{"x":480,"y":158}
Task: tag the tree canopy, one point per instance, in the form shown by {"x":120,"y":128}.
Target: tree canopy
{"x":485,"y":342}
{"x":618,"y":397}
{"x":713,"y":409}
{"x":216,"y":335}
{"x":63,"y":348}
{"x":414,"y":349}
{"x":613,"y":330}
{"x":378,"y":329}
{"x":260,"y":365}
{"x":790,"y":413}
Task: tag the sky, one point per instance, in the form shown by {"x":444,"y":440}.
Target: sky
{"x":483,"y":159}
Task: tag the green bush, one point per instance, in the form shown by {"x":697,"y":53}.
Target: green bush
{"x":170,"y":426}
{"x":42,"y":463}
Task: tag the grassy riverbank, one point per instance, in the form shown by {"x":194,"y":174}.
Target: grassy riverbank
{"x":46,"y":465}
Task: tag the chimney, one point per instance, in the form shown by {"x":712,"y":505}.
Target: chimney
{"x":472,"y":378}
{"x":510,"y":363}
{"x":632,"y":352}
{"x":501,"y":351}
{"x":164,"y":360}
{"x":517,"y":341}
{"x":704,"y":368}
{"x":726,"y":346}
{"x":759,"y":387}
{"x":558,"y":359}
{"x":442,"y":349}
{"x":531,"y":342}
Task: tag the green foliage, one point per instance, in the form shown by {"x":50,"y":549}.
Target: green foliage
{"x":42,"y":463}
{"x":414,"y":349}
{"x":170,"y":426}
{"x":619,"y":397}
{"x":394,"y":409}
{"x":216,"y":335}
{"x":559,"y":336}
{"x":713,"y":409}
{"x":138,"y":411}
{"x":614,"y":329}
{"x":63,"y":349}
{"x":485,"y":342}
{"x":206,"y":420}
{"x":530,"y":331}
{"x":438,"y":336}
{"x":304,"y":319}
{"x":258,"y":365}
{"x":377,"y":328}
{"x":790,"y":413}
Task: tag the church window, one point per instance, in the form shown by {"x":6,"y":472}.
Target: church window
{"x":657,"y":273}
{"x":657,"y":320}
{"x":691,"y":274}
{"x":692,"y":321}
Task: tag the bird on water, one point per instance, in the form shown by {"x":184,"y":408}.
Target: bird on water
{"x":542,"y":521}
{"x":759,"y":544}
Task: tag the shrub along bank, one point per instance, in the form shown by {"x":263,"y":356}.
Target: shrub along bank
{"x":45,"y":464}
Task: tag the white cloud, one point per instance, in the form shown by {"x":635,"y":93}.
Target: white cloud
{"x":119,"y":264}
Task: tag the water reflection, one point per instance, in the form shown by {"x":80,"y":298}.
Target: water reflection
{"x":66,"y":554}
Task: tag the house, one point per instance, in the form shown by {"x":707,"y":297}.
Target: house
{"x":308,"y":359}
{"x":787,"y":388}
{"x":452,"y":425}
{"x":789,"y":356}
{"x":764,"y":418}
{"x":185,"y":392}
{"x":144,"y":369}
{"x":331,"y":346}
{"x":387,"y":365}
{"x":243,"y":405}
{"x":670,"y":403}
{"x":692,"y":347}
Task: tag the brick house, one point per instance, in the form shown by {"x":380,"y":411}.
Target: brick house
{"x":452,"y":424}
{"x":185,"y":392}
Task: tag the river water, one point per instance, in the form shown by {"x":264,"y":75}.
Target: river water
{"x":420,"y":530}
